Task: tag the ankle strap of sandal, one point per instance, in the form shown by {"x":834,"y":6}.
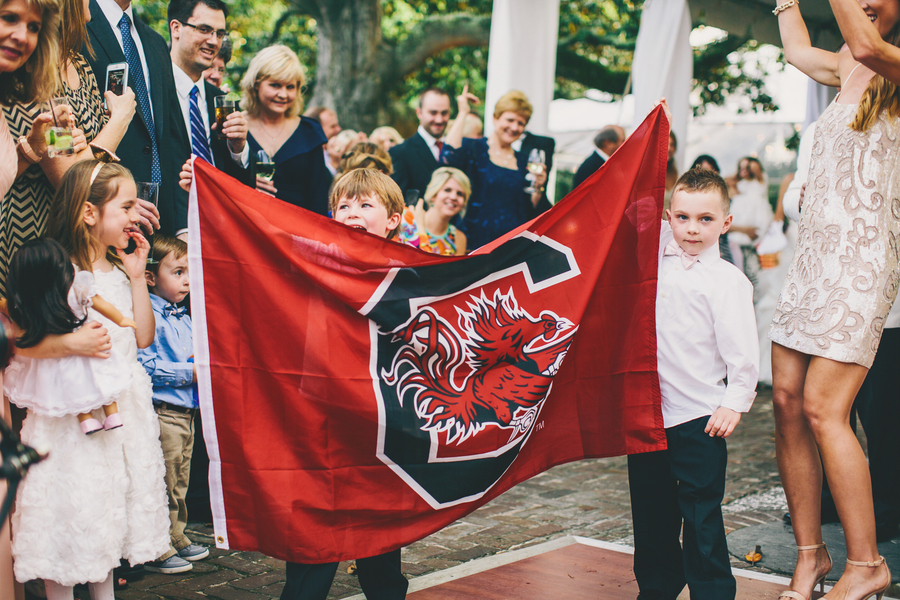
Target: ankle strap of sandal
{"x":871,"y":563}
{"x":813,"y":547}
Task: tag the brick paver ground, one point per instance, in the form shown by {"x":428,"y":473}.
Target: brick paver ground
{"x":588,"y":498}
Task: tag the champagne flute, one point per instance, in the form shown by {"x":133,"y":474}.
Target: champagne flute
{"x":265,"y":166}
{"x":150,"y":193}
{"x":536,"y":165}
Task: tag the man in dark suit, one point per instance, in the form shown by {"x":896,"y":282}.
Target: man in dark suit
{"x":532,"y":141}
{"x":606,"y":141}
{"x":417,"y":158}
{"x":155,"y":146}
{"x":197,"y":28}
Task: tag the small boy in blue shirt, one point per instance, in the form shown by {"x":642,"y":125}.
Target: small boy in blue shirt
{"x":169,"y":362}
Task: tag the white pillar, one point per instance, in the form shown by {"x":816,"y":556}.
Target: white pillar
{"x":664,"y":66}
{"x":522,"y":56}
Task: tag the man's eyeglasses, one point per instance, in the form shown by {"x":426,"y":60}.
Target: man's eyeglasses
{"x":206,"y":30}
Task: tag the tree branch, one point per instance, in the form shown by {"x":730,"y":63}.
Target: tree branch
{"x":276,"y":31}
{"x":573,"y":66}
{"x":435,"y":34}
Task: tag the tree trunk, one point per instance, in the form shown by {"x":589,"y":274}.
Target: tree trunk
{"x":350,"y":48}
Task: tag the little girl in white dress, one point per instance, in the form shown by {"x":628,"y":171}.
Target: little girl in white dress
{"x":97,"y":498}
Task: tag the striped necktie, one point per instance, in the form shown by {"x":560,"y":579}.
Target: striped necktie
{"x":139,"y":85}
{"x":199,"y":143}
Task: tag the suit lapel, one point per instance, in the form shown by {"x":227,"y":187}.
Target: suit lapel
{"x":105,"y":37}
{"x":420,"y":146}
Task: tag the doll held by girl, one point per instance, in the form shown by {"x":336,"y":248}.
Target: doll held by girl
{"x":48,"y":296}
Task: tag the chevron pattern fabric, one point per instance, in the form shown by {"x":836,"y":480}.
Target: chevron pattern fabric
{"x":26,"y":207}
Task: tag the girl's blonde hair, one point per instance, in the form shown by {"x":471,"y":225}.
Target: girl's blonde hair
{"x":38,"y":79}
{"x":278,"y":63}
{"x":516,"y":102}
{"x":66,"y":223}
{"x":365,"y":155}
{"x":880,"y":95}
{"x":439,"y":179}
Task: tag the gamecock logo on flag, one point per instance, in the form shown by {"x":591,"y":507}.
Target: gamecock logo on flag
{"x":461,"y":376}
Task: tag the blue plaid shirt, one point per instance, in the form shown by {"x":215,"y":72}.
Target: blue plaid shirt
{"x":166,"y":360}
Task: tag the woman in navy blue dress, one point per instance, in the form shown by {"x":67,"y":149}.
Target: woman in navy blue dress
{"x":271,"y":97}
{"x":498,"y":203}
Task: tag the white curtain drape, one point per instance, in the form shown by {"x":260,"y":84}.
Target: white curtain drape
{"x":522,"y":56}
{"x":664,"y":66}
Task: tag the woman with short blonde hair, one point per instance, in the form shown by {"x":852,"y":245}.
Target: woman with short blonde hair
{"x":499,"y":202}
{"x":387,"y":137}
{"x":448,"y":194}
{"x":271,"y":95}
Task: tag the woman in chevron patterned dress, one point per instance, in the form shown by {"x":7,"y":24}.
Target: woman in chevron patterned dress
{"x":27,"y":203}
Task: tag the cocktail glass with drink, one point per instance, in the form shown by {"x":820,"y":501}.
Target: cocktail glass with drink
{"x":265,"y":167}
{"x":225,"y":105}
{"x":536,"y":166}
{"x":59,"y":137}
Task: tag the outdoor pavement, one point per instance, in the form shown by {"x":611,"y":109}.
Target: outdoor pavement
{"x":587,"y":498}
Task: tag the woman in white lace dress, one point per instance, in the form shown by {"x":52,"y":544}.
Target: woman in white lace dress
{"x":841,"y":284}
{"x":97,"y":498}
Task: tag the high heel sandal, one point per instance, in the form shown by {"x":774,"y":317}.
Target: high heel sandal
{"x":820,"y":582}
{"x":873,"y":564}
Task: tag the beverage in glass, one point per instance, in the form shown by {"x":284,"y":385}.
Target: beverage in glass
{"x":225,"y":105}
{"x":265,"y":168}
{"x":148,"y":192}
{"x":536,"y":166}
{"x":59,"y":136}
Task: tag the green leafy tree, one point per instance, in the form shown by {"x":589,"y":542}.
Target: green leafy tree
{"x":370,"y":59}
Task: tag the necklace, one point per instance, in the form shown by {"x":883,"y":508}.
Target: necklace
{"x":277,"y":135}
{"x":505,"y":157}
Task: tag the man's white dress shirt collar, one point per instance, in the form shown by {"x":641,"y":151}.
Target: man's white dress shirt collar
{"x":430,"y":140}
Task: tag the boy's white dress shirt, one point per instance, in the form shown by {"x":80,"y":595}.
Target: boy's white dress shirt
{"x":705,"y":331}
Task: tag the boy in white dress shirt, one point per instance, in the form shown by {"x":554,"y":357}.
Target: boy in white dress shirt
{"x":706,"y":334}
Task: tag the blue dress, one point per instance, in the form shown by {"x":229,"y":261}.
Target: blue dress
{"x":498,"y":203}
{"x":301,"y":176}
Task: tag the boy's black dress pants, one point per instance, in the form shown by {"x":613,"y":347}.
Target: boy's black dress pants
{"x":677,"y":489}
{"x":379,"y":577}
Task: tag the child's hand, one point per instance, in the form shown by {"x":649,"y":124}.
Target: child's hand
{"x":126,"y":322}
{"x":135,"y":263}
{"x":186,"y":176}
{"x":722,"y":422}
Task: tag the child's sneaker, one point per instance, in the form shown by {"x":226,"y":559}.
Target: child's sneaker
{"x":193,"y":553}
{"x":170,"y":566}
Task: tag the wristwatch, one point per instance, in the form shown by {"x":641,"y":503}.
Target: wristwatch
{"x":26,"y":151}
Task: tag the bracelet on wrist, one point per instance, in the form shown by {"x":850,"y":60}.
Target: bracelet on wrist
{"x":25,"y":149}
{"x":783,"y":7}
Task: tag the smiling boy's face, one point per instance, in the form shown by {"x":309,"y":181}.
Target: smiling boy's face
{"x":697,"y":219}
{"x":366,"y":213}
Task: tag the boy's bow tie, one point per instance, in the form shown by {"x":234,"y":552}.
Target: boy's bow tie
{"x":173,"y":311}
{"x":687,"y":260}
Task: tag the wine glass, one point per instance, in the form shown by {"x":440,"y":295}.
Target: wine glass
{"x":265,"y":166}
{"x":536,"y":165}
{"x":149,"y":192}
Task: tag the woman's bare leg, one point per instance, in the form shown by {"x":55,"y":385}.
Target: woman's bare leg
{"x":828,"y":397}
{"x":798,"y":463}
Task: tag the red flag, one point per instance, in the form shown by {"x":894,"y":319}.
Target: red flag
{"x":359,"y":394}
